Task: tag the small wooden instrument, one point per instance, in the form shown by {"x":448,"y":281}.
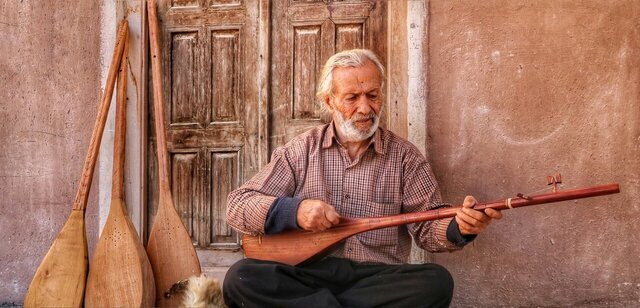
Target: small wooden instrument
{"x":296,"y":247}
{"x":60,"y":279}
{"x":120,"y":274}
{"x":170,"y":249}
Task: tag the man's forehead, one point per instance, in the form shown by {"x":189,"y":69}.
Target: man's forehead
{"x":355,"y":78}
{"x":357,"y":87}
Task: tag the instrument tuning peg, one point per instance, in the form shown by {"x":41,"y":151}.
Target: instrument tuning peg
{"x":554,"y":180}
{"x":523,"y":196}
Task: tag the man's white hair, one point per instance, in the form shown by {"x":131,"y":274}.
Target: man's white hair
{"x":346,"y":58}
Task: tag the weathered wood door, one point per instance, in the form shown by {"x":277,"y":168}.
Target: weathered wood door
{"x":305,"y":33}
{"x":212,"y":114}
{"x":216,"y":92}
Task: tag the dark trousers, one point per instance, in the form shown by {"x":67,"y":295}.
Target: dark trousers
{"x":335,"y":282}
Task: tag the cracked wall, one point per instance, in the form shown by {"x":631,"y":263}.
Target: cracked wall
{"x":520,"y":90}
{"x":49,"y":92}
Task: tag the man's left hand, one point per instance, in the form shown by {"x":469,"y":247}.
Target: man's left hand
{"x":471,"y":221}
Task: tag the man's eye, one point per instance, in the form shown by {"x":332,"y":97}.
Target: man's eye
{"x":350,"y":98}
{"x":372,"y":96}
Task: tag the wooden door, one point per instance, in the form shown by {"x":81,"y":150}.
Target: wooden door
{"x":305,"y":33}
{"x":212,"y":113}
{"x":217,"y":93}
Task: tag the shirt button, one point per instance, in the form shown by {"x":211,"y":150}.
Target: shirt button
{"x":347,"y":196}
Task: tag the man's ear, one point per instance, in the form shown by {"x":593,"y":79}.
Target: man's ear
{"x":327,"y":103}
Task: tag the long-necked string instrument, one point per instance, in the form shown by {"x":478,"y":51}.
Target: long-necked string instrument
{"x":120,"y":274}
{"x":60,"y":278}
{"x":170,"y":250}
{"x":296,"y":247}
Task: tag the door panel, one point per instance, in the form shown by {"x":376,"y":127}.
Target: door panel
{"x":224,"y":179}
{"x":183,"y":77}
{"x":184,"y":179}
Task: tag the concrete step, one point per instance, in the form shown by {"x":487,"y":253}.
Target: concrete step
{"x":216,"y":272}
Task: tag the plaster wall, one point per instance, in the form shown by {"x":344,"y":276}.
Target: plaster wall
{"x":519,"y":90}
{"x":49,"y":91}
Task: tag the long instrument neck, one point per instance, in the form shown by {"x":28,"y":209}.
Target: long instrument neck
{"x":80,"y":202}
{"x":121,"y":129}
{"x":446,"y":212}
{"x":158,"y":102}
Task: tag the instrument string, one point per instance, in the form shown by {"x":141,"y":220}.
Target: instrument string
{"x":560,"y":185}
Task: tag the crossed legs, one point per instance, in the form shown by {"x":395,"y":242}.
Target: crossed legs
{"x":335,"y":282}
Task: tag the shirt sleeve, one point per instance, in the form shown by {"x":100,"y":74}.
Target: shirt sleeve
{"x":421,"y":193}
{"x":248,"y":205}
{"x":454,"y":235}
{"x":282,"y":215}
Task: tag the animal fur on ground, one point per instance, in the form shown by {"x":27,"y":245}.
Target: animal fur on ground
{"x":198,"y":292}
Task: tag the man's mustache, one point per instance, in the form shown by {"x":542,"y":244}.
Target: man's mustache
{"x":363,"y":117}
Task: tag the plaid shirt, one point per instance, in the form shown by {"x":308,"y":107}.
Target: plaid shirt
{"x":390,"y":177}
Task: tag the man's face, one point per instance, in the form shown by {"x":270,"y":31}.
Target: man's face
{"x":356,"y":101}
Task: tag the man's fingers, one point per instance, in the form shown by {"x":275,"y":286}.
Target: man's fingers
{"x":469,"y":201}
{"x":494,"y":214}
{"x":466,"y":228}
{"x":331,"y":215}
{"x":316,"y":215}
{"x":469,"y":219}
{"x":326,"y":224}
{"x":329,"y":218}
{"x":477,"y":215}
{"x":319,"y":222}
{"x":472,"y":221}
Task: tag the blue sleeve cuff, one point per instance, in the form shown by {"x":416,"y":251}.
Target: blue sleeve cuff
{"x":454,"y":236}
{"x":282,"y":215}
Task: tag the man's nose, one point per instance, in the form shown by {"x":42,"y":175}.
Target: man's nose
{"x":363,"y":105}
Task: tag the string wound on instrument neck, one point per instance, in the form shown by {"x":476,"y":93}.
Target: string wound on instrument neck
{"x":508,"y":202}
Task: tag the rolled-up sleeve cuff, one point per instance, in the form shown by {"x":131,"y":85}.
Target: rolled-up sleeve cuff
{"x":454,"y":236}
{"x":282,"y":215}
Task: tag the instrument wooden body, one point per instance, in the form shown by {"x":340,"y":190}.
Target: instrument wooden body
{"x":296,"y":247}
{"x":60,"y":279}
{"x":170,"y":248}
{"x":120,"y":274}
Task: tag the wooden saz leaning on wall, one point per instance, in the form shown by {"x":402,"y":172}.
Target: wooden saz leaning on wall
{"x":170,"y":250}
{"x":60,"y":279}
{"x":120,"y":274}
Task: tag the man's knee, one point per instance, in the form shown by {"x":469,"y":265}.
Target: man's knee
{"x":438,"y":283}
{"x":445,"y":278}
{"x":238,"y":281}
{"x":237,"y":273}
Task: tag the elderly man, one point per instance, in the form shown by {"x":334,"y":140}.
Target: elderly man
{"x":348,"y":168}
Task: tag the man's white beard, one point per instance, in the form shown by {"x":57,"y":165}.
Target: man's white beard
{"x":350,"y":131}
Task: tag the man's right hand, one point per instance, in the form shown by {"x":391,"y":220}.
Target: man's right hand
{"x":316,"y":215}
